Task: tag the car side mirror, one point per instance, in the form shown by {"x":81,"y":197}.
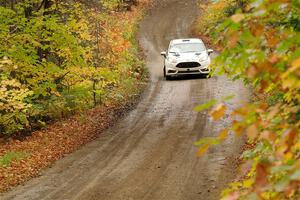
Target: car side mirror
{"x":163,"y":53}
{"x":210,"y":51}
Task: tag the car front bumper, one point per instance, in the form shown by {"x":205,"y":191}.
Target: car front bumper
{"x":173,"y":70}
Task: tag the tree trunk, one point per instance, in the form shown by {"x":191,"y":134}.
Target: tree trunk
{"x":47,"y":11}
{"x":47,"y":5}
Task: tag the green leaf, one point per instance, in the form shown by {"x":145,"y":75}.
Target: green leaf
{"x":280,"y":168}
{"x":227,"y":98}
{"x":282,"y":184}
{"x":7,"y":158}
{"x":296,"y":175}
{"x":252,"y":196}
{"x":206,"y":105}
{"x":208,"y":141}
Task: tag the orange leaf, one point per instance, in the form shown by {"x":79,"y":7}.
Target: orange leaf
{"x":273,"y":59}
{"x":232,"y":196}
{"x":233,"y":40}
{"x":296,"y":63}
{"x":242,"y":111}
{"x":218,"y":112}
{"x":223,"y":134}
{"x":261,"y":177}
{"x":252,"y":132}
{"x":274,"y":110}
{"x":272,"y":40}
{"x":252,"y":71}
{"x":202,"y":150}
{"x":289,"y":137}
{"x":257,"y":29}
{"x":237,"y":18}
{"x":238,"y":129}
{"x":267,"y":135}
{"x":295,"y":68}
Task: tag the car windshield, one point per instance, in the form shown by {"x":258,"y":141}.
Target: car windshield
{"x":187,"y":47}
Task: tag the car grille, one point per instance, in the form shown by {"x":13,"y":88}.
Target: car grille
{"x":188,"y":65}
{"x":191,"y":71}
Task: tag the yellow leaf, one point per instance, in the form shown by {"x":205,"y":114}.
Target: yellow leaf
{"x":218,"y":112}
{"x":297,"y":146}
{"x":238,"y":129}
{"x":248,"y":183}
{"x":223,"y":134}
{"x":202,"y":150}
{"x":295,"y":68}
{"x":289,"y":82}
{"x":296,"y":63}
{"x":237,"y":18}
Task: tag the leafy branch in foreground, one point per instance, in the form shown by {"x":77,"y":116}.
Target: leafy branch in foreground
{"x":262,"y":40}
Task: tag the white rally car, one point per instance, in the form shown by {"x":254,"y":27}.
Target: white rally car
{"x":186,"y":56}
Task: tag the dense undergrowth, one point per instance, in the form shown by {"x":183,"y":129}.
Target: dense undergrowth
{"x":260,"y":42}
{"x":59,"y":57}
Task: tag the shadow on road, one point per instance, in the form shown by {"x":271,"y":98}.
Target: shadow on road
{"x":188,"y":77}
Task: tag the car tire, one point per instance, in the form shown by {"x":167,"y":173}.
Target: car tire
{"x":164,"y":72}
{"x":168,"y":77}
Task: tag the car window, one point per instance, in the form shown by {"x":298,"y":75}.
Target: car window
{"x":187,"y":47}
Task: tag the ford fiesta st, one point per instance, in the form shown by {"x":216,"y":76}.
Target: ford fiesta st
{"x":186,"y":56}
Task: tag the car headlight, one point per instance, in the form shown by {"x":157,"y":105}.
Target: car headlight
{"x":173,"y":60}
{"x":203,"y":58}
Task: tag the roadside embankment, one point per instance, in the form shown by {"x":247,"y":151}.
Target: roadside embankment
{"x":88,"y":100}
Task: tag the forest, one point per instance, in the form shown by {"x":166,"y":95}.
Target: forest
{"x":67,"y":69}
{"x":59,"y":57}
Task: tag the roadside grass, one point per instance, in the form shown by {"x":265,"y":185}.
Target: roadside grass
{"x":9,"y":157}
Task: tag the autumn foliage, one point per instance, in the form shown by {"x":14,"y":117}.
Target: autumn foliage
{"x":57,"y":61}
{"x":59,"y":57}
{"x":260,"y":42}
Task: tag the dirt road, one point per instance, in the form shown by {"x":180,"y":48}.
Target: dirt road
{"x":149,"y":154}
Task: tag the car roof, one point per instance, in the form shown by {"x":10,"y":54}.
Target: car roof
{"x":187,"y":40}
